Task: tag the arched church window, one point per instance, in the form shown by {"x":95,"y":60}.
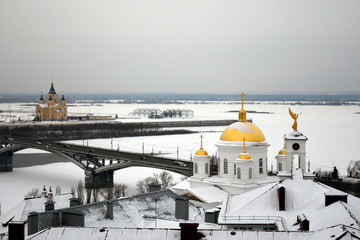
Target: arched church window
{"x":196,"y":168}
{"x":206,"y":168}
{"x":260,"y":166}
{"x":225,"y":166}
{"x":238,"y":175}
{"x":280,"y":166}
{"x":250,"y":173}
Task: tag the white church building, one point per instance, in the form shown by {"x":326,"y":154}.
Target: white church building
{"x":243,"y":158}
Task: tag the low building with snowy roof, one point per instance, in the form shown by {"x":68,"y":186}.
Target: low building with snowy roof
{"x":39,"y":204}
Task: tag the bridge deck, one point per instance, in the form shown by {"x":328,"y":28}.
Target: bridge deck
{"x":97,"y":160}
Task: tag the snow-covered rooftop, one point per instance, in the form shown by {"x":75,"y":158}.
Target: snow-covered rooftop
{"x":75,"y":233}
{"x":209,"y":194}
{"x":21,"y":210}
{"x":301,"y":197}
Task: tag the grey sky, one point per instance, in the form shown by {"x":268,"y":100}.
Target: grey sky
{"x":184,"y":46}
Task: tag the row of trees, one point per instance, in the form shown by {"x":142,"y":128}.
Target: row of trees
{"x":319,"y":174}
{"x":91,"y":195}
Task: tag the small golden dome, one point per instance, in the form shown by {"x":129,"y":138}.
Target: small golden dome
{"x":244,"y":155}
{"x":239,"y":130}
{"x":282,"y":152}
{"x":201,"y":152}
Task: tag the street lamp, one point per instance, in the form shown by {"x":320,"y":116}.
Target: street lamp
{"x":191,"y":154}
{"x":152,"y":149}
{"x":143,"y":148}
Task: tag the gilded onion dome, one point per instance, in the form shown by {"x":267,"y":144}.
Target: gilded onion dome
{"x":283,"y":151}
{"x":242,"y":129}
{"x":201,"y":151}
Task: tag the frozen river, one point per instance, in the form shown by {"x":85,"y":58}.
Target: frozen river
{"x":332,"y":133}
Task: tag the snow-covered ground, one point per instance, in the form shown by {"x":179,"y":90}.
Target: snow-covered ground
{"x":333,"y":133}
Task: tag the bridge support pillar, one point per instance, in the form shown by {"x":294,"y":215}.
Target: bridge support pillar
{"x":6,"y":162}
{"x":99,"y":180}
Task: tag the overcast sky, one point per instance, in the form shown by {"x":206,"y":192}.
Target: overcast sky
{"x":179,"y":46}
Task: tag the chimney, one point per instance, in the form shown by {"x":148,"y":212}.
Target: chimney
{"x":33,"y":223}
{"x":49,"y":206}
{"x":110,"y":210}
{"x":281,"y":197}
{"x":75,"y":202}
{"x":211,"y":215}
{"x":182,"y":207}
{"x":304,"y":222}
{"x":50,"y":196}
{"x":189,"y":231}
{"x":153,"y":187}
{"x":16,"y":230}
{"x":332,"y":197}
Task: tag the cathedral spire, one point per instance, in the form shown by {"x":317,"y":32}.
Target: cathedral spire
{"x":52,"y":89}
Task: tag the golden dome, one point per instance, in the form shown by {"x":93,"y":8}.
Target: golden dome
{"x":244,"y":155}
{"x":240,"y":130}
{"x":282,"y":152}
{"x":201,"y":152}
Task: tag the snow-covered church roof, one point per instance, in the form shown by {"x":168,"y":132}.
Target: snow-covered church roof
{"x":301,"y":197}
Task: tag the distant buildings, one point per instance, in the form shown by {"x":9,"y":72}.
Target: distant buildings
{"x":52,"y":109}
{"x":353,"y":170}
{"x":167,"y":113}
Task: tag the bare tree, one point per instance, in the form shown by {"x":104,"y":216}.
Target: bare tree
{"x":80,"y":191}
{"x":119,"y":190}
{"x":143,"y":185}
{"x":107,"y":193}
{"x":33,"y":193}
{"x":58,"y":190}
{"x":166,"y":179}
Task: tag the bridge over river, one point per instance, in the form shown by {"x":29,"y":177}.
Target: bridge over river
{"x":98,"y":164}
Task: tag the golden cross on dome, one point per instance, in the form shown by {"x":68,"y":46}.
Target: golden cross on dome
{"x":201,"y":138}
{"x":242,"y":100}
{"x":284,"y":141}
{"x":244,"y":145}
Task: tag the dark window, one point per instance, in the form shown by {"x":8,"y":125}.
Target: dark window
{"x":225,"y":166}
